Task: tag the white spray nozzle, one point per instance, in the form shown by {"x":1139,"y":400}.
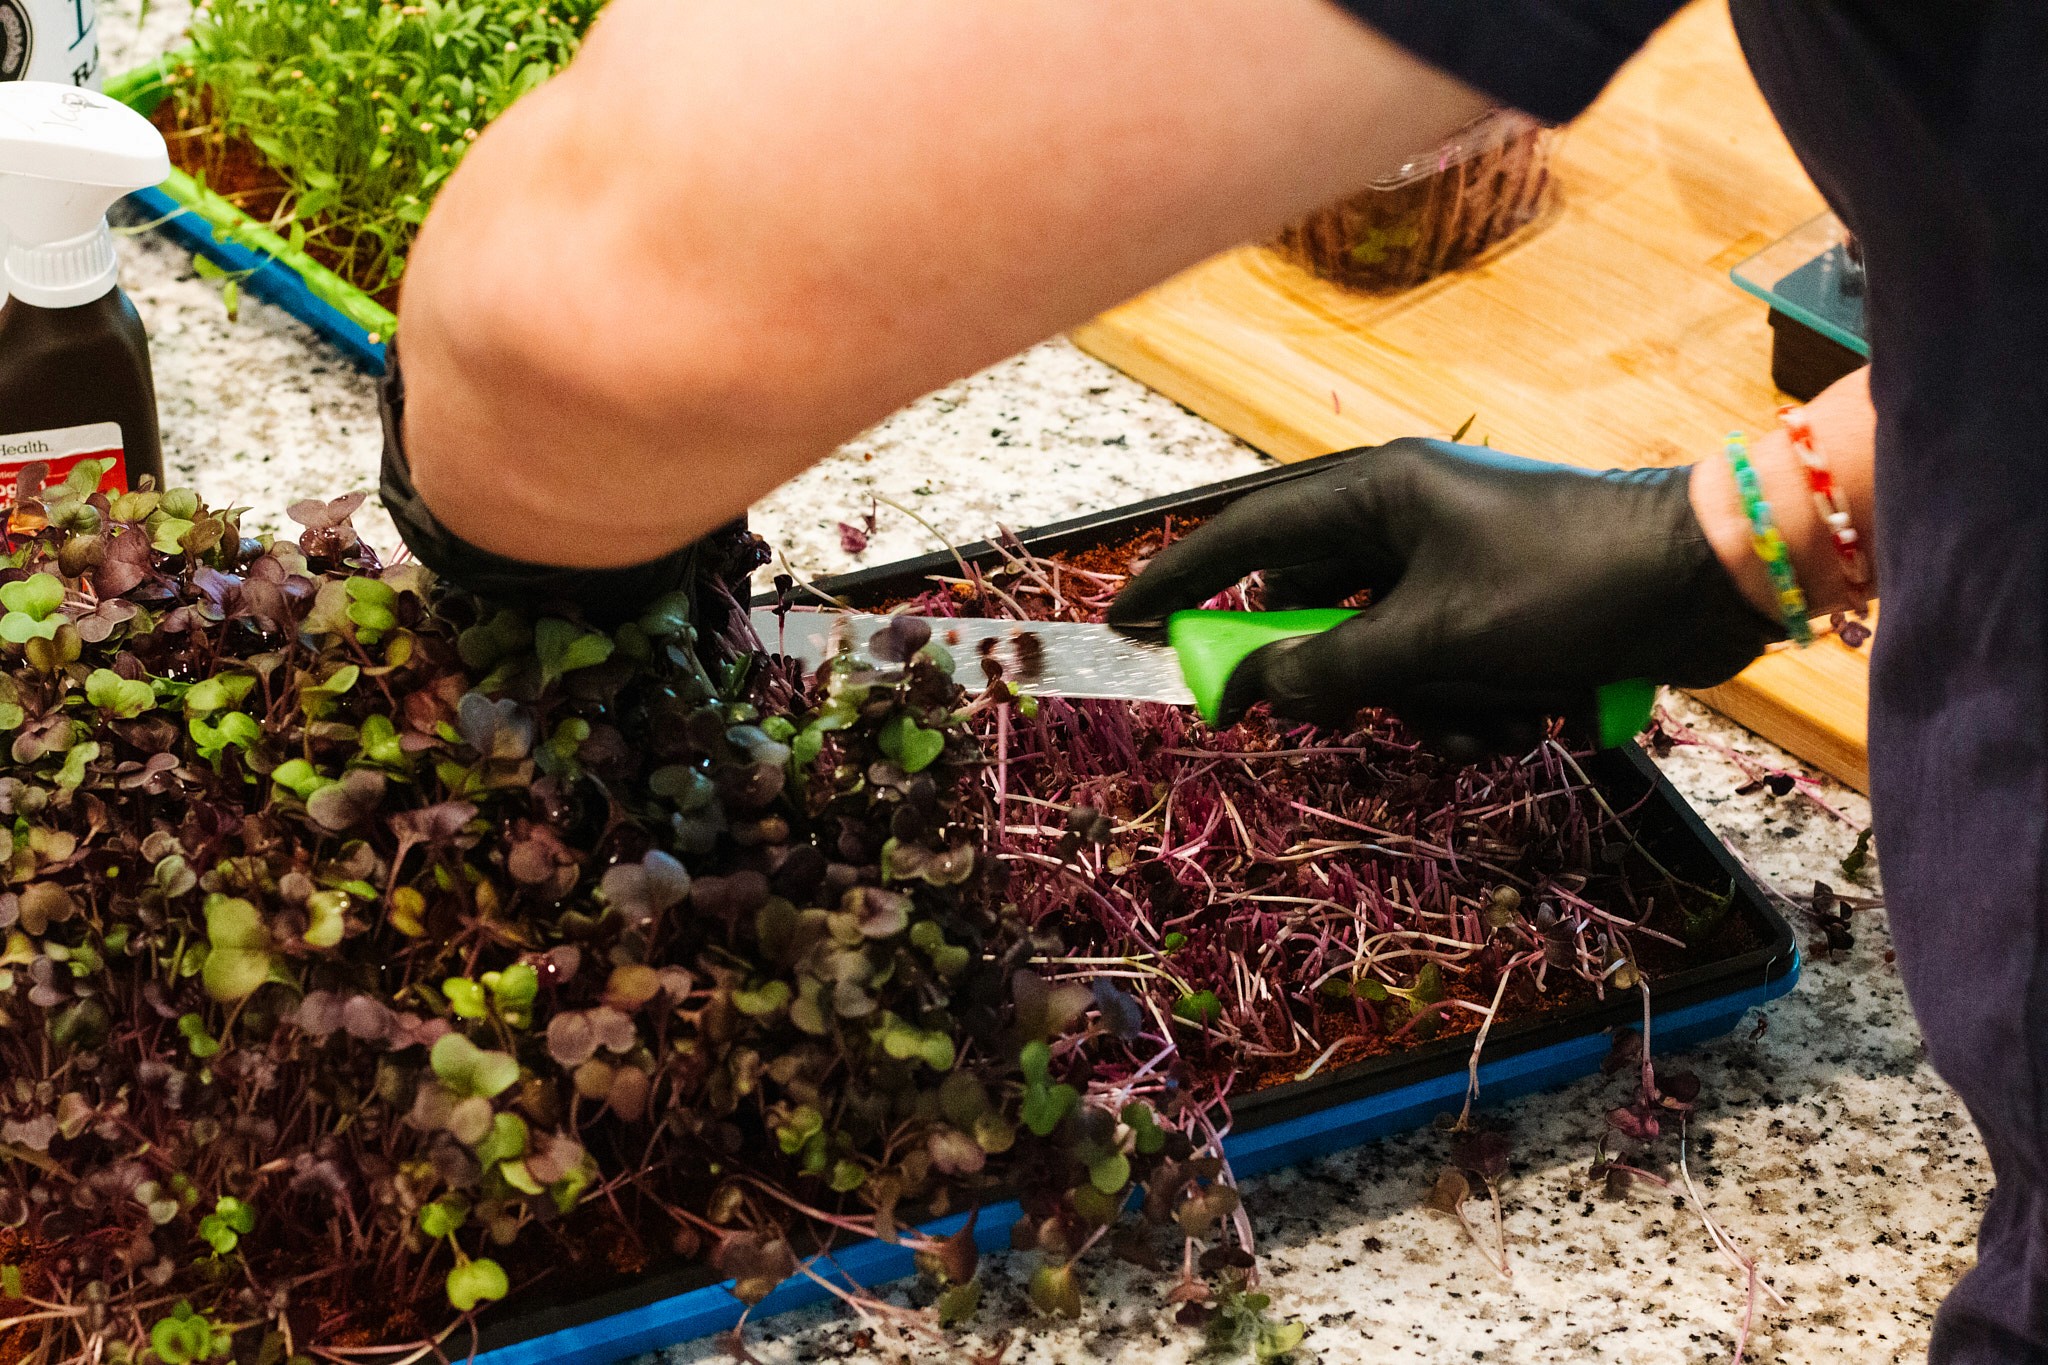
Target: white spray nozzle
{"x":66,"y":155}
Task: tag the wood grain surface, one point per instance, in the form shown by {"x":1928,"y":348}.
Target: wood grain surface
{"x":1609,"y":336}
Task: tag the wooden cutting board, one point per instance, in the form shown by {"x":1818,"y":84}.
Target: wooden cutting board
{"x":1611,"y":336}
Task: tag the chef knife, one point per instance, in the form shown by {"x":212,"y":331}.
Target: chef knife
{"x":1081,"y":659}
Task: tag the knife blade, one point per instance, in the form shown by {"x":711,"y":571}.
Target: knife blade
{"x":1079,"y":659}
{"x":1045,"y":658}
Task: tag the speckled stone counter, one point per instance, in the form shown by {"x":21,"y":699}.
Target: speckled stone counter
{"x":1825,"y":1143}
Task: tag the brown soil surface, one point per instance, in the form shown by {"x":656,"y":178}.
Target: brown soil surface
{"x":26,"y":1260}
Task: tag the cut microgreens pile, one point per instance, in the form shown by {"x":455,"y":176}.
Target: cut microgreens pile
{"x":358,"y":111}
{"x":369,"y":957}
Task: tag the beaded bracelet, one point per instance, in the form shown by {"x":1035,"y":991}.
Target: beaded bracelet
{"x":1828,"y":502}
{"x":1769,"y":543}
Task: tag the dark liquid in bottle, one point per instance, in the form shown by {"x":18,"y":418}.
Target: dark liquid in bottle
{"x":62,"y":368}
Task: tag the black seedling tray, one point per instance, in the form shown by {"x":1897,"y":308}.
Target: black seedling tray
{"x":1338,"y":1108}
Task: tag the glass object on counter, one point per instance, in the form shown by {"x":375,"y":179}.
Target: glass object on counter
{"x":1443,"y":209}
{"x":1814,"y":275}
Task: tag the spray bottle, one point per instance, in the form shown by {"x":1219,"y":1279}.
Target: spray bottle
{"x":49,"y":40}
{"x":74,"y":362}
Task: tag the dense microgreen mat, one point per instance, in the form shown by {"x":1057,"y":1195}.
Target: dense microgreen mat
{"x":370,"y":955}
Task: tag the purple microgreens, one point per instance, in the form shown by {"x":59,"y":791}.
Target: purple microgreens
{"x":1449,"y":1196}
{"x":1246,"y":928}
{"x":1852,"y":628}
{"x":1668,"y":732}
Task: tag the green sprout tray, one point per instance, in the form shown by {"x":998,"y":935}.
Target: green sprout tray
{"x":1297,"y":1121}
{"x":265,"y":263}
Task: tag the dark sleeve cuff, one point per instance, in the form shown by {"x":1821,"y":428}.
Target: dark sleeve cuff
{"x":1549,"y":58}
{"x":601,"y":596}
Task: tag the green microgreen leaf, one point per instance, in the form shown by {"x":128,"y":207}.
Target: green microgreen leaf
{"x":1055,"y":1290}
{"x":326,"y":918}
{"x":111,"y":692}
{"x":1149,"y":1137}
{"x":470,"y":1070}
{"x":444,"y":1216}
{"x":1853,"y":862}
{"x":507,"y":1141}
{"x":910,"y":744}
{"x":563,"y":648}
{"x":36,"y":597}
{"x":465,"y":997}
{"x":17,"y":628}
{"x":72,"y":774}
{"x":516,"y":987}
{"x":1110,"y":1172}
{"x":238,"y":955}
{"x":201,"y":1044}
{"x":475,"y":1282}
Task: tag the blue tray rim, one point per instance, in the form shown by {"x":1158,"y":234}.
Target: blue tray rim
{"x":264,"y":276}
{"x":712,"y":1309}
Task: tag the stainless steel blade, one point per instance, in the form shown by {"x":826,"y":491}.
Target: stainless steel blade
{"x":1045,"y":658}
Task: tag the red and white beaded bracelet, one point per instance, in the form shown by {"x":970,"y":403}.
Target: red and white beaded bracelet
{"x":1829,"y":503}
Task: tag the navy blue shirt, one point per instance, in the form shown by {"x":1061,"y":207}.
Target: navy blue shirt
{"x":1925,"y":124}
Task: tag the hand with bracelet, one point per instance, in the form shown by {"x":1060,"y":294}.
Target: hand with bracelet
{"x":1504,"y":591}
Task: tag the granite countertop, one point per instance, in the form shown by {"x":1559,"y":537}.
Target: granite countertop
{"x":1824,"y":1142}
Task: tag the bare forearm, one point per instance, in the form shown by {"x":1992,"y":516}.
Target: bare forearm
{"x":732,"y":236}
{"x":1844,"y":431}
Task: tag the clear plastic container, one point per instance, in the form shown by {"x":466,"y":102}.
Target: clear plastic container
{"x":1441,"y":210}
{"x":1813,"y":275}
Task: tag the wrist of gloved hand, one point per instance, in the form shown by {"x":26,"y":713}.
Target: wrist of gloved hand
{"x":600,"y":596}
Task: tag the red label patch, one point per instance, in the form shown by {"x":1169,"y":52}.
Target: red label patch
{"x":61,"y":449}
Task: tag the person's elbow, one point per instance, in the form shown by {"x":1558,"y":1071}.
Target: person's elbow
{"x":554,"y":345}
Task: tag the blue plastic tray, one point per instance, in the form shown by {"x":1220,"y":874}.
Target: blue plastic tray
{"x":266,"y":277}
{"x":712,"y":1308}
{"x":266,"y":264}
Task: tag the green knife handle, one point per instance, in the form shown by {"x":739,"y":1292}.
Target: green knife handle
{"x":1622,"y":710}
{"x":1211,"y":644}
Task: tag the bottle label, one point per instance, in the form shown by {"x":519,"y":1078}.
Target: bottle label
{"x":50,"y":40}
{"x":61,"y":448}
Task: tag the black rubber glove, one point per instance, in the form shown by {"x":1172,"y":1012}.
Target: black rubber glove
{"x":601,"y":596}
{"x":1503,"y":591}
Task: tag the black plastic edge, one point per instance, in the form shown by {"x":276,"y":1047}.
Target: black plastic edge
{"x":1805,"y":361}
{"x":865,"y":587}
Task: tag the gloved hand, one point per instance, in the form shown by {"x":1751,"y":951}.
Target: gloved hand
{"x":1503,"y":590}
